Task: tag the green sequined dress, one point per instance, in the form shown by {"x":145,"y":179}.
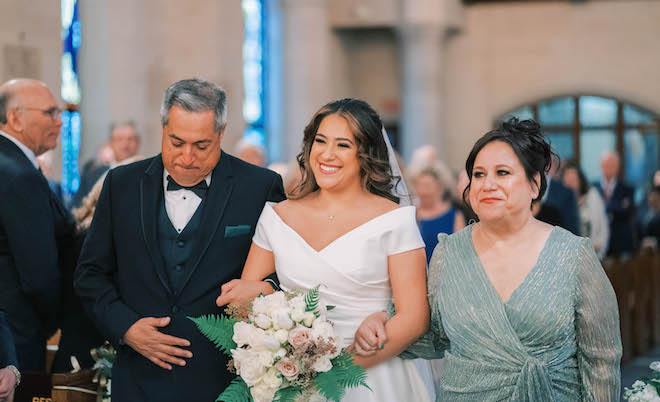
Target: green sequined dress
{"x":557,"y":338}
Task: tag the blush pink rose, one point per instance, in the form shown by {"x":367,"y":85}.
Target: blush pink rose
{"x":288,"y":368}
{"x":301,"y":338}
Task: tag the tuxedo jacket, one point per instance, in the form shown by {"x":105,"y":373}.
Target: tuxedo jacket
{"x":620,"y":208}
{"x":7,"y":348}
{"x":34,"y":227}
{"x":121,"y":274}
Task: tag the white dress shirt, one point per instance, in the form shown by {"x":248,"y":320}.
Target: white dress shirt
{"x":27,"y":151}
{"x":181,"y":204}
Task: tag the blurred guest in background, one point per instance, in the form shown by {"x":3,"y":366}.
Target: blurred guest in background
{"x":124,"y":143}
{"x":559,"y":205}
{"x":593,"y":219}
{"x":459,"y":201}
{"x":251,"y":152}
{"x":435,"y":212}
{"x":9,"y":374}
{"x":424,"y":155}
{"x":45,"y":162}
{"x":619,"y":205}
{"x":649,"y":229}
{"x":34,"y":226}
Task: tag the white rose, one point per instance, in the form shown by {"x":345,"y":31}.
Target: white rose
{"x":298,"y":315}
{"x":260,"y":306}
{"x":273,"y":378}
{"x":322,"y":329}
{"x":309,"y":318}
{"x":242,"y":331}
{"x":255,"y":336}
{"x":269,"y":342}
{"x":251,"y":370}
{"x":281,"y":335}
{"x":322,"y":364}
{"x":282,"y":320}
{"x":263,"y":321}
{"x":300,"y":338}
{"x":655,"y":366}
{"x":239,"y":355}
{"x":267,"y":358}
{"x":262,"y":393}
{"x":280,"y":353}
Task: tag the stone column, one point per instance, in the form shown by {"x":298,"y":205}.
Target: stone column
{"x":422,"y":97}
{"x":306,"y":68}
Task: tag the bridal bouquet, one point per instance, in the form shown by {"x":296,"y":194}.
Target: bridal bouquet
{"x":647,"y":390}
{"x":283,"y":349}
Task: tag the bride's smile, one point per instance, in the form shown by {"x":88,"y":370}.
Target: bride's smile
{"x":333,"y":157}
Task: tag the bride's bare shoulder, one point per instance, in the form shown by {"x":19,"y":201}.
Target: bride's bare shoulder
{"x":381,"y":205}
{"x":291,"y":207}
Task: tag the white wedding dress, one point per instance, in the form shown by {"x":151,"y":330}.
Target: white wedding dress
{"x":354,"y":277}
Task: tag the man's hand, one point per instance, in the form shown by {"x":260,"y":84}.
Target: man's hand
{"x":7,"y":385}
{"x":239,"y":290}
{"x":144,"y":337}
{"x":370,"y":337}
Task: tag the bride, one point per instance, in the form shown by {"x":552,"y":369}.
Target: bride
{"x":345,"y":229}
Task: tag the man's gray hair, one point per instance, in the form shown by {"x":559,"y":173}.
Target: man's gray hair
{"x":196,"y":95}
{"x":5,"y":97}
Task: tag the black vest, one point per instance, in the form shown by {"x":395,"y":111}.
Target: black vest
{"x":176,"y":248}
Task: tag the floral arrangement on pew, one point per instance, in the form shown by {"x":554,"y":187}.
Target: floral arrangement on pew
{"x":646,"y":389}
{"x":104,"y":358}
{"x":283,"y":349}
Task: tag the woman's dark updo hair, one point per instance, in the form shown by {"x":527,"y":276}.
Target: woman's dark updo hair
{"x":366,"y":126}
{"x":528,"y":143}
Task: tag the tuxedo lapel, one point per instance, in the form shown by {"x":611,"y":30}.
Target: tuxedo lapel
{"x":151,"y":197}
{"x":217,"y":197}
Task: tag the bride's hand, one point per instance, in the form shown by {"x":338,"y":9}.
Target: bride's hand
{"x":239,"y":290}
{"x":370,"y":337}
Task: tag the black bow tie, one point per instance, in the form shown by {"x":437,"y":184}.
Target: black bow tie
{"x":199,"y":188}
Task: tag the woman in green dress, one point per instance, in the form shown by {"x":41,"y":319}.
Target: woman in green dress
{"x":522,"y":310}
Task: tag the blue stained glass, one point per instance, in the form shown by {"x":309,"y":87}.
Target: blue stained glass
{"x":641,"y":156}
{"x":253,"y":70}
{"x":634,"y":115}
{"x":596,"y":111}
{"x":71,"y":39}
{"x":562,"y":144}
{"x":559,"y":111}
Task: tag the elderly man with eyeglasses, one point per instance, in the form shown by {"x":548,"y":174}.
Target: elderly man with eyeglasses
{"x":35,"y":229}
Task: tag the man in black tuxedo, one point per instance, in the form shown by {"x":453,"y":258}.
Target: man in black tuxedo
{"x":619,"y":205}
{"x":167,"y":233}
{"x":10,"y":377}
{"x":34,"y":226}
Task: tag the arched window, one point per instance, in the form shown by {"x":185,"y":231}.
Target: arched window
{"x":583,"y":127}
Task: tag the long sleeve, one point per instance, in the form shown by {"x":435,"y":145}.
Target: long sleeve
{"x":26,"y":218}
{"x":7,"y":347}
{"x":97,"y":266}
{"x":597,"y":329}
{"x":433,"y":344}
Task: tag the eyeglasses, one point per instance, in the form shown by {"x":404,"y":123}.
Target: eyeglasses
{"x":53,"y":112}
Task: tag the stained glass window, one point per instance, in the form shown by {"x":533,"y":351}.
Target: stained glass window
{"x":71,"y":38}
{"x":254,"y":71}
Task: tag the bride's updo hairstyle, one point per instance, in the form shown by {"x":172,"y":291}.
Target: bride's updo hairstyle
{"x":528,"y":143}
{"x":365,"y":124}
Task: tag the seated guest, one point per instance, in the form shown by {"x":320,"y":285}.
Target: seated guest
{"x":435,"y":213}
{"x":593,"y":219}
{"x":619,"y":205}
{"x":10,"y":377}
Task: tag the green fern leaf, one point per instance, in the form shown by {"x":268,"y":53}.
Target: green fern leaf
{"x":237,"y":391}
{"x":312,"y":298}
{"x":287,"y":394}
{"x":328,"y":384}
{"x":218,"y":329}
{"x":344,"y":375}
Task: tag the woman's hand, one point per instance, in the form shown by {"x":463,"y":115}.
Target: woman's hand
{"x":370,"y":337}
{"x":240,"y":290}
